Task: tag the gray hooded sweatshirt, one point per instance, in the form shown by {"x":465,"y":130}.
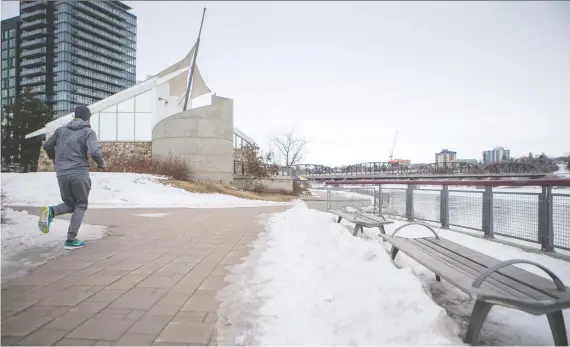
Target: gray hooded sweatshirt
{"x":71,"y":144}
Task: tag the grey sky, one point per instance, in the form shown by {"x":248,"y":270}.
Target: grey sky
{"x":466,"y":76}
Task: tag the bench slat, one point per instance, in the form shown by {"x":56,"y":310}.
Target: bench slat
{"x":534,"y":281}
{"x":445,"y":271}
{"x":474,"y":269}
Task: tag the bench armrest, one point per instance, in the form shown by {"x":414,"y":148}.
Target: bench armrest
{"x":479,"y":280}
{"x":415,"y":223}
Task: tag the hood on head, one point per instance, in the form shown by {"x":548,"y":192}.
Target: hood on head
{"x":82,"y":112}
{"x":77,"y":124}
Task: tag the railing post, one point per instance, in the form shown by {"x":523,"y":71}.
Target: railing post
{"x":380,"y":199}
{"x":545,"y":227}
{"x":410,"y":202}
{"x":444,"y":207}
{"x":374,"y":197}
{"x":328,"y":199}
{"x":488,"y":212}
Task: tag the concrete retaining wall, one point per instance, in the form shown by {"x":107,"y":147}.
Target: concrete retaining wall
{"x":203,"y":137}
{"x":279,"y":182}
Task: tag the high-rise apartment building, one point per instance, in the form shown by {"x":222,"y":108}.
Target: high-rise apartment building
{"x":10,"y":60}
{"x":445,"y":156}
{"x":496,"y":154}
{"x":76,"y":52}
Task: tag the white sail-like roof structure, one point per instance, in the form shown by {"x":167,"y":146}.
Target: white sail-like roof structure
{"x":164,"y":91}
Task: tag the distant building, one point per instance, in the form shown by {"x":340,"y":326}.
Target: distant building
{"x":445,"y":156}
{"x":400,"y":161}
{"x":68,"y":52}
{"x":468,"y":161}
{"x":495,"y":155}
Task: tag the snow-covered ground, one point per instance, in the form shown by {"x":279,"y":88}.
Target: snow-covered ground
{"x":308,"y":281}
{"x":112,"y":190}
{"x":24,"y":247}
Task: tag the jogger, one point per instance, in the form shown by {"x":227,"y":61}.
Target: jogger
{"x":70,"y":147}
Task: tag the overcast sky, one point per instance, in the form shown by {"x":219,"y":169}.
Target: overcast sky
{"x":466,"y":76}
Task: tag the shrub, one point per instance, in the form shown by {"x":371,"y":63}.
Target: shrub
{"x":170,"y":166}
{"x":257,"y":167}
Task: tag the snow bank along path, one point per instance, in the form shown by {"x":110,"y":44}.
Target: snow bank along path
{"x":111,"y":190}
{"x":310,"y":282}
{"x":24,"y":247}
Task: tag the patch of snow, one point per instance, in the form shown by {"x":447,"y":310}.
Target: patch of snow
{"x":112,"y":190}
{"x":309,"y":282}
{"x":151,"y":215}
{"x":24,"y":247}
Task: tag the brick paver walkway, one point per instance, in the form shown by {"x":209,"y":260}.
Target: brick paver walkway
{"x":148,"y":281}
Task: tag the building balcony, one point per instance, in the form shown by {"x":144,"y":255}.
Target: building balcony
{"x":84,"y":73}
{"x":38,"y":89}
{"x":32,"y":62}
{"x":100,"y":51}
{"x":101,"y":25}
{"x":33,"y":52}
{"x":31,"y":43}
{"x":88,"y":9}
{"x":33,"y":71}
{"x":34,"y":23}
{"x":105,"y":43}
{"x":100,"y":60}
{"x":104,"y":87}
{"x":33,"y":14}
{"x":33,"y":33}
{"x":98,"y":32}
{"x":97,"y":68}
{"x":33,"y":80}
{"x":28,"y":5}
{"x":90,"y":93}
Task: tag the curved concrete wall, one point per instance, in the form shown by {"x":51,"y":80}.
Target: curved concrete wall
{"x":203,"y":137}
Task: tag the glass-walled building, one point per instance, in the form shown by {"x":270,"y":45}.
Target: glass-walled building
{"x":10,"y":60}
{"x":130,"y":120}
{"x":130,"y":115}
{"x":76,"y":52}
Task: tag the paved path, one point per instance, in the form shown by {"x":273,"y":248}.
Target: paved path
{"x":148,"y":281}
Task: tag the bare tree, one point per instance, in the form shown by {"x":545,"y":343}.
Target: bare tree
{"x":257,"y":168}
{"x":290,"y":146}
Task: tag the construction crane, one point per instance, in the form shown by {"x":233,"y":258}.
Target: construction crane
{"x":393,"y":146}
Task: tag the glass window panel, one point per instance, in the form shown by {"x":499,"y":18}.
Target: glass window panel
{"x":94,"y":121}
{"x":144,"y":102}
{"x":126,"y":129}
{"x":108,"y":126}
{"x":111,"y":109}
{"x":143,"y":127}
{"x":127,"y":106}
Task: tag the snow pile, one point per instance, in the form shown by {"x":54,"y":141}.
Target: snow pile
{"x":309,"y":282}
{"x":24,"y":247}
{"x":111,"y":190}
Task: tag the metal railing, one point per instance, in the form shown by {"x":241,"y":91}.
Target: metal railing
{"x":530,"y":210}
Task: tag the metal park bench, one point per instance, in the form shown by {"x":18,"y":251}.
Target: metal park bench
{"x":488,"y":281}
{"x":361,"y":219}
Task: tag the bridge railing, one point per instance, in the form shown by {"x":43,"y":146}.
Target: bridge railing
{"x":536,"y":211}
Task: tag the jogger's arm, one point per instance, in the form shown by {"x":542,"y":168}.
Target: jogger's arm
{"x":49,"y":145}
{"x":94,"y":150}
